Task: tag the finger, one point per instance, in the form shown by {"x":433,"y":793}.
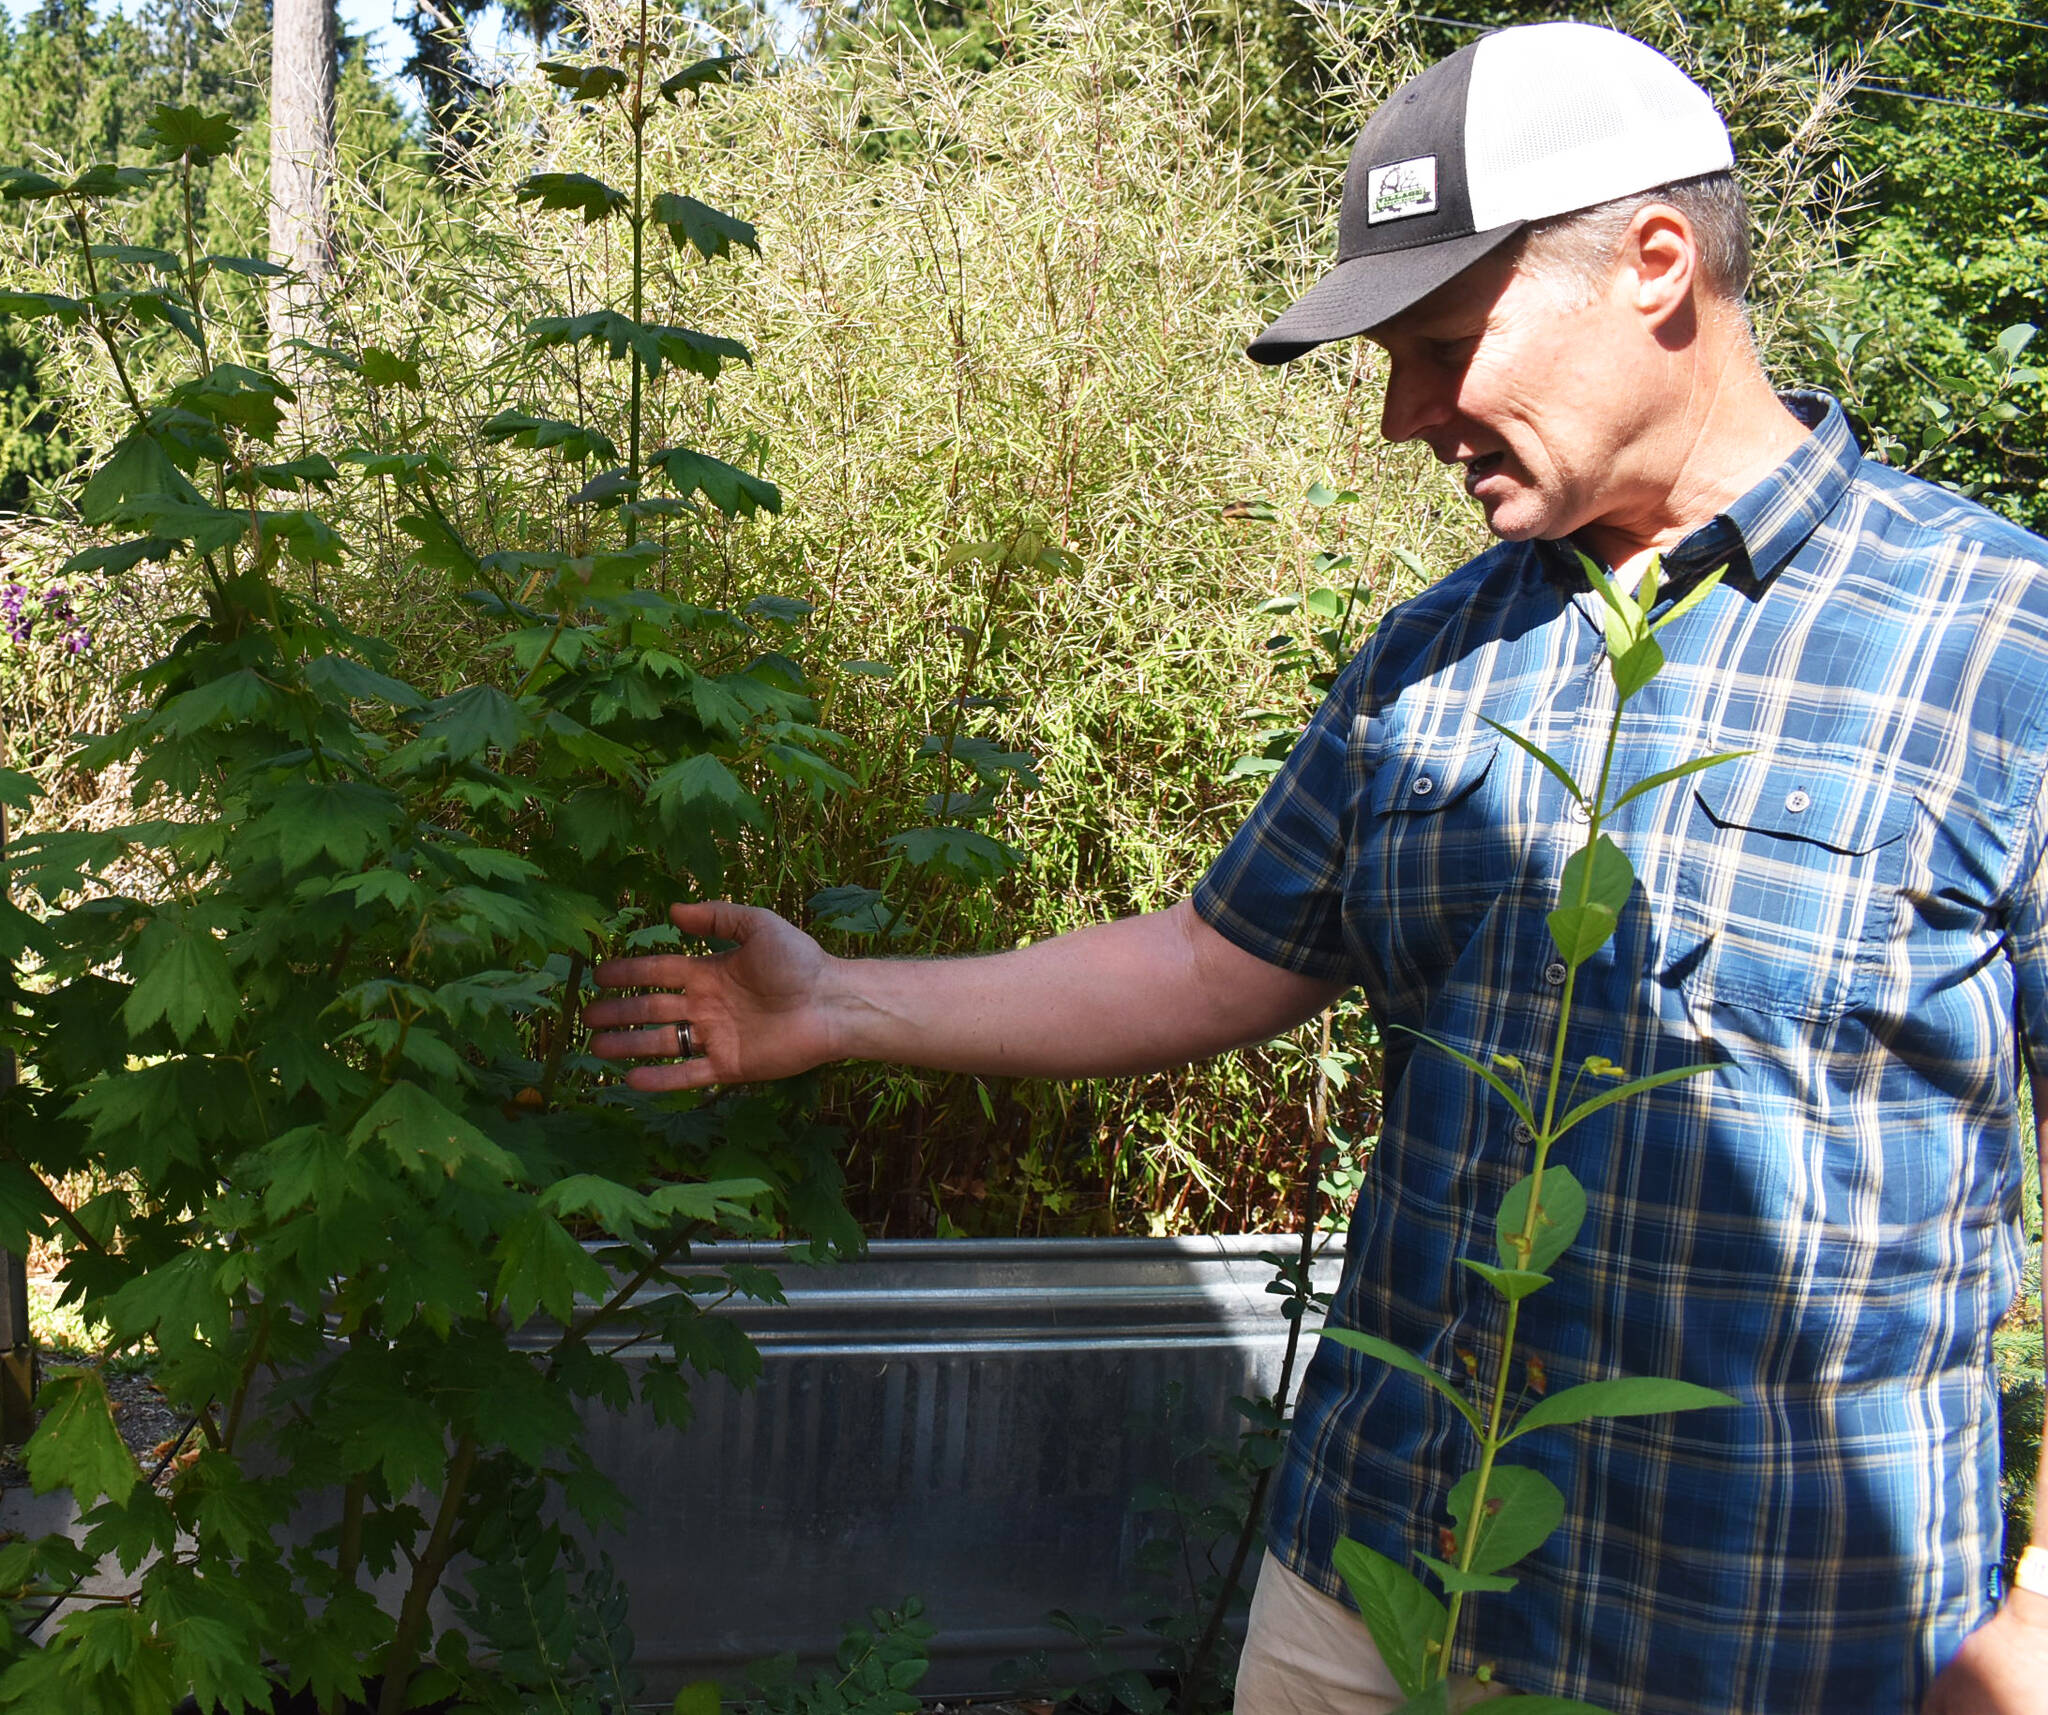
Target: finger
{"x":663,"y":1042}
{"x":648,"y":971}
{"x":672,"y":1075}
{"x":662,"y":1007}
{"x":715,"y":919}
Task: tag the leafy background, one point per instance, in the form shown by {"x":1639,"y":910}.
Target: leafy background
{"x":1008,"y":254}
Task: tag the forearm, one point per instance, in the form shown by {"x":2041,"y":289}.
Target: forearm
{"x":1136,"y":995}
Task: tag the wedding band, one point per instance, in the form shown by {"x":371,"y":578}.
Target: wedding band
{"x":686,"y":1044}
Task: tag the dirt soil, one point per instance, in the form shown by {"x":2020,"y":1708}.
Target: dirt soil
{"x":145,"y":1419}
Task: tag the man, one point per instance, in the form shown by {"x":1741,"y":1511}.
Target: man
{"x":1851,"y":917}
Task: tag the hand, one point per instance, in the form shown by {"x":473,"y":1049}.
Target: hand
{"x":2002,"y":1668}
{"x":753,"y":1013}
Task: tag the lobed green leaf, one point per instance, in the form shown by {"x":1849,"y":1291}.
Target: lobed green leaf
{"x":76,"y":1445}
{"x":577,"y":192}
{"x":187,"y":984}
{"x":584,"y":82}
{"x":699,"y":226}
{"x":189,"y":133}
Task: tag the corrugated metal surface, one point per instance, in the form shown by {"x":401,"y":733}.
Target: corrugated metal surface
{"x":963,"y":1420}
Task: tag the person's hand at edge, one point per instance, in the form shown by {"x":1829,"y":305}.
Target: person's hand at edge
{"x":742,"y":1016}
{"x":2002,"y":1668}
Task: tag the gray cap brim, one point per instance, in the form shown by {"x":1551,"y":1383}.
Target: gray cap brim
{"x":1368,"y":290}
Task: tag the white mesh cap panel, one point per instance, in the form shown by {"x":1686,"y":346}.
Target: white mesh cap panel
{"x":1561,"y":116}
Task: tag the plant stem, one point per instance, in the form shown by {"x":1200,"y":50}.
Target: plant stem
{"x":192,"y":284}
{"x":565,"y":1023}
{"x":258,"y":1348}
{"x":403,"y":1656}
{"x":348,"y":1556}
{"x":639,"y":223}
{"x":99,"y":324}
{"x":1524,"y":1242}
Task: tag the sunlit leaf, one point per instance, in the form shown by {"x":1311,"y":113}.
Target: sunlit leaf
{"x":1621,"y":1396}
{"x":76,"y":1445}
{"x":1398,"y":1610}
{"x":1597,"y":874}
{"x":1522,"y":1508}
{"x":1580,"y":931}
{"x":1560,"y":1212}
{"x":1506,"y":1091}
{"x":1664,"y":776}
{"x":1406,"y":1361}
{"x":1655,"y":1081}
{"x":1457,"y":1581}
{"x":1513,"y":1284}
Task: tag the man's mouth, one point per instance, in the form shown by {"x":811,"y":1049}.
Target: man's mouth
{"x":1477,"y":470}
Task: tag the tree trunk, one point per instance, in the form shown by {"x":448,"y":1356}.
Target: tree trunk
{"x":302,"y":43}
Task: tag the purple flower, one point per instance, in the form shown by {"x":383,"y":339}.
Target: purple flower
{"x":21,"y":613}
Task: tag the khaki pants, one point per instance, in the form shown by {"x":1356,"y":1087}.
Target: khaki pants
{"x":1308,"y":1654}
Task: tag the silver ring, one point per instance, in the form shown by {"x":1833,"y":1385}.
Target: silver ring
{"x":686,"y":1044}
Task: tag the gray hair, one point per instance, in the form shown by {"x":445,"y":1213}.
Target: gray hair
{"x":1581,"y":246}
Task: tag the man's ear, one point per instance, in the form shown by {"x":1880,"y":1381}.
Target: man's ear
{"x":1659,"y":264}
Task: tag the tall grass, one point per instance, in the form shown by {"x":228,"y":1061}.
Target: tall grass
{"x":984,"y":301}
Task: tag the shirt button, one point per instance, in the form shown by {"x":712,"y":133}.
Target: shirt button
{"x":1797,"y":799}
{"x":1522,"y":1132}
{"x":1580,"y":813}
{"x":1554,"y":973}
{"x":1422,"y":786}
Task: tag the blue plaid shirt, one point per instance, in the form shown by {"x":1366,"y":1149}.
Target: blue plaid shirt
{"x":1853,"y":918}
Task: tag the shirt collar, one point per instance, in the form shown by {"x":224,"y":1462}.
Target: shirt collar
{"x":1763,"y":529}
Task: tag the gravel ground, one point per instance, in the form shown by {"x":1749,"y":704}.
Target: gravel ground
{"x":147,"y":1423}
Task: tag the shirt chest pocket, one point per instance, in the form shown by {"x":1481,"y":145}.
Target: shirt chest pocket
{"x":1434,"y":835}
{"x":1789,"y":882}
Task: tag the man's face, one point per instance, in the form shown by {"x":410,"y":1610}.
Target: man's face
{"x":1529,"y":387}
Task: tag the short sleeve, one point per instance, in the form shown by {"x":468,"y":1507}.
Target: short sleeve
{"x":1277,"y":890}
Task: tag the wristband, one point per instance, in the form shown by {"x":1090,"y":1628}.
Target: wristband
{"x":2033,"y":1571}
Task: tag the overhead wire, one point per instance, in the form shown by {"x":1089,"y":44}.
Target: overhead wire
{"x":2012,"y":110}
{"x":1981,"y":17}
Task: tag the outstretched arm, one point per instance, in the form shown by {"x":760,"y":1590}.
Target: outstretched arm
{"x":1136,"y":995}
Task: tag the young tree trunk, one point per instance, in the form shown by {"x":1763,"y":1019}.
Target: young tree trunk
{"x":302,"y":44}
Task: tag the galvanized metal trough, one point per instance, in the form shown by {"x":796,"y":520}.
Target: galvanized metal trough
{"x":966,"y":1421}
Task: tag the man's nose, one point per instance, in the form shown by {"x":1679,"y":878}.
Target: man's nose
{"x":1415,"y":401}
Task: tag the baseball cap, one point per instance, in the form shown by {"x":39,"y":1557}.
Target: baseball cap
{"x":1516,"y":127}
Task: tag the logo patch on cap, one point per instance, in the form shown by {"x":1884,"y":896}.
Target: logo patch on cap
{"x":1400,"y":189}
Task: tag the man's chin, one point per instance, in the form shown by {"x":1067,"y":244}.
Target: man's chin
{"x":1512,"y":523}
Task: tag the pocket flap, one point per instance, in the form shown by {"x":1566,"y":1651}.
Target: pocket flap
{"x":1826,"y":798}
{"x":1422,"y":783}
